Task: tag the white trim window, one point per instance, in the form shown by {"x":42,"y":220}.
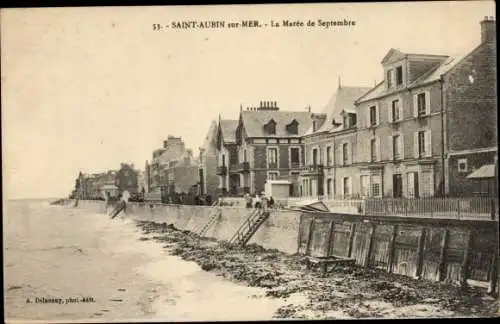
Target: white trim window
{"x":422,"y":143}
{"x":315,"y":155}
{"x":344,"y":153}
{"x":462,"y":165}
{"x":396,"y":149}
{"x":329,"y":156}
{"x":346,"y":187}
{"x":395,"y":109}
{"x":421,"y":104}
{"x":272,"y":157}
{"x":372,"y":115}
{"x":294,"y":160}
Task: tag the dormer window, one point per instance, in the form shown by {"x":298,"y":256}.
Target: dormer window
{"x":389,"y":78}
{"x":399,"y":75}
{"x":270,"y":127}
{"x":293,"y":128}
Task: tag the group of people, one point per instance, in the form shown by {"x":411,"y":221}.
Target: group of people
{"x":259,"y":201}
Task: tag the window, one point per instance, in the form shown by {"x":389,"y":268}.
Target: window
{"x":346,"y":186}
{"x":314,"y":125}
{"x":389,"y":78}
{"x":272,"y":157}
{"x":315,"y":157}
{"x":328,"y":156}
{"x":376,"y":186}
{"x":125,"y":173}
{"x":399,"y":75}
{"x":395,"y":110}
{"x":345,"y":154}
{"x":365,"y":185}
{"x":421,"y":143}
{"x":373,"y":150}
{"x":245,"y":155}
{"x":272,"y":176}
{"x":395,"y":147}
{"x":292,"y":128}
{"x":223,"y":160}
{"x":294,"y":157}
{"x":329,"y":186}
{"x":270,"y":127}
{"x":346,"y":121}
{"x":462,"y":165}
{"x":421,"y":105}
{"x":373,"y":115}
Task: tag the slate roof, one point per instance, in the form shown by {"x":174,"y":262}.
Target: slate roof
{"x":228,"y":128}
{"x":342,"y":99}
{"x":254,"y":121}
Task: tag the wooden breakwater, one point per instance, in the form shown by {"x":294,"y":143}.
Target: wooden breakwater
{"x":434,"y":249}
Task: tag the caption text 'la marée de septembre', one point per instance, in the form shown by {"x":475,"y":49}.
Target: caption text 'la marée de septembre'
{"x":220,"y":24}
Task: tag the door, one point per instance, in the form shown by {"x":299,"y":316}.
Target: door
{"x":397,"y":185}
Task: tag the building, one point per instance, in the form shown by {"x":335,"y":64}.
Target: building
{"x":127,"y":179}
{"x":226,"y":155}
{"x":183,"y":173}
{"x":209,"y":181}
{"x":420,"y":132}
{"x":326,"y":145}
{"x":266,"y":145}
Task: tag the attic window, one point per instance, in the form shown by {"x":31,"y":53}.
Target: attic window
{"x":292,"y":128}
{"x":399,"y":75}
{"x":270,"y":127}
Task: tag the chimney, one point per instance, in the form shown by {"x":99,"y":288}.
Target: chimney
{"x":488,"y":30}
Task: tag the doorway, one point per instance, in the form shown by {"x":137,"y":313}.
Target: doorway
{"x":397,"y":185}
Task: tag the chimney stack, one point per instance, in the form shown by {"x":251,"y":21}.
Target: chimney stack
{"x":488,"y":30}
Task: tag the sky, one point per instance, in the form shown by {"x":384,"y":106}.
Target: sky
{"x":88,"y":88}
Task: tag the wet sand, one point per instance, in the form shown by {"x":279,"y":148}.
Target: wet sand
{"x":349,"y":292}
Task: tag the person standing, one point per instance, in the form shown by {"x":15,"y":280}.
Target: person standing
{"x":248,"y":200}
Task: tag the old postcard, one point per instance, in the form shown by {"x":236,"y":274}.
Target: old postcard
{"x":250,"y":162}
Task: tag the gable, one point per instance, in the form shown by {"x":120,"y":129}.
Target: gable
{"x":392,"y":56}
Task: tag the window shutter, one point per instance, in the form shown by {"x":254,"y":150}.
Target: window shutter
{"x":378,"y":147}
{"x":427,"y":103}
{"x":391,"y":148}
{"x":341,"y":154}
{"x":415,"y":106}
{"x":415,"y":144}
{"x":391,"y":117}
{"x":378,"y":113}
{"x":368,"y":117}
{"x":401,"y":147}
{"x":349,"y":154}
{"x":428,"y":143}
{"x":401,"y":110}
{"x":349,"y":185}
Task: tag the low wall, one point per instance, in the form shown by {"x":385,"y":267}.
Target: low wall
{"x":438,"y":250}
{"x":279,"y":231}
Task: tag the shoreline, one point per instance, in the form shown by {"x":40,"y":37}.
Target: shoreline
{"x":344,"y":292}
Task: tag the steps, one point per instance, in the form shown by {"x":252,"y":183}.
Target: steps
{"x":256,"y":218}
{"x":121,"y":206}
{"x":214,"y":214}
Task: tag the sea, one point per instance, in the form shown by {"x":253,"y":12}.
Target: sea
{"x":64,"y":264}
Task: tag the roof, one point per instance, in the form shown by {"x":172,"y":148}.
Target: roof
{"x":342,"y":99}
{"x":210,"y":138}
{"x":310,"y":205}
{"x":228,"y":128}
{"x":432,"y":75}
{"x":484,"y":172}
{"x":254,"y":121}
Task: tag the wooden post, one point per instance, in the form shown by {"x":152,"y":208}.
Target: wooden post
{"x":329,"y":238}
{"x":492,"y":289}
{"x":366,"y":261}
{"x":311,"y":231}
{"x":464,"y":271}
{"x":442,"y":255}
{"x":351,"y":240}
{"x":301,"y":232}
{"x":392,"y":248}
{"x":420,"y":253}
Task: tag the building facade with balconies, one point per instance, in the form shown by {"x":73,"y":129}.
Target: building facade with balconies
{"x":269,"y":147}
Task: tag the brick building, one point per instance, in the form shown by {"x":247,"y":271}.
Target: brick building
{"x":266,"y":145}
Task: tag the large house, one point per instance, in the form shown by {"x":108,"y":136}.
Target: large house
{"x":327,"y":142}
{"x":420,"y":132}
{"x":263,"y":144}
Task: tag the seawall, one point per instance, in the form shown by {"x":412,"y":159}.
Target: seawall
{"x":280,"y":231}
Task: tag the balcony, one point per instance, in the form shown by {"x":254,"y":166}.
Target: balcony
{"x":312,"y":170}
{"x":221,"y":170}
{"x":241,"y":167}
